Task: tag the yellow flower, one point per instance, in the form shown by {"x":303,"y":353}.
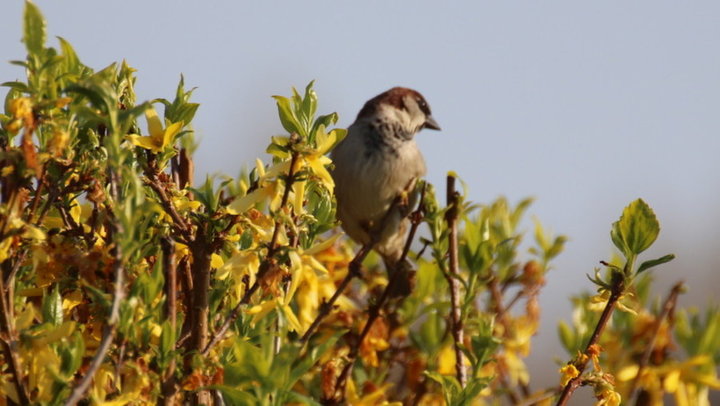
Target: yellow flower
{"x":608,"y":397}
{"x":567,"y":373}
{"x":159,"y":138}
{"x":599,"y":301}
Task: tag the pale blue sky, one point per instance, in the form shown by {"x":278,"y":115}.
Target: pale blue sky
{"x":584,"y":106}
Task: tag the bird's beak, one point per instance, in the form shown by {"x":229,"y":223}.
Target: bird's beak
{"x":431,"y":123}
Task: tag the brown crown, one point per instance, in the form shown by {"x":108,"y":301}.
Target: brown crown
{"x":394,"y":97}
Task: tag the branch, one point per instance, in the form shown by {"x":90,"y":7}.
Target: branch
{"x":617,"y":289}
{"x":374,"y":311}
{"x":457,"y":326}
{"x":10,"y":345}
{"x":264,"y":267}
{"x":325,"y":307}
{"x":155,"y":184}
{"x":168,"y":251}
{"x":111,"y":327}
{"x":668,"y":310}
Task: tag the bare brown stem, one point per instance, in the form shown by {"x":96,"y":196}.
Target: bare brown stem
{"x":374,"y":310}
{"x":668,"y":309}
{"x":457,"y":325}
{"x":617,"y":289}
{"x":10,"y":345}
{"x":201,"y":254}
{"x":325,"y":307}
{"x":155,"y":184}
{"x":110,"y":328}
{"x":169,"y":387}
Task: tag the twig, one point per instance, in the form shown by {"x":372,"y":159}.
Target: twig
{"x":168,"y":250}
{"x":186,"y":284}
{"x":537,"y":398}
{"x":668,"y":309}
{"x":38,"y":192}
{"x":264,"y":267}
{"x":10,"y":345}
{"x":501,"y":315}
{"x":353,"y":271}
{"x":617,"y":289}
{"x":111,"y":327}
{"x":153,"y":181}
{"x":457,"y":326}
{"x":374,"y":311}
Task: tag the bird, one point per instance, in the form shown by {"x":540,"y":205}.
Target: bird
{"x":376,"y":168}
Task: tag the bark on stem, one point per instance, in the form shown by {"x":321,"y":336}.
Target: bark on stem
{"x":169,"y":388}
{"x":374,"y":311}
{"x":457,"y":325}
{"x":110,"y":328}
{"x":618,"y":287}
{"x":10,"y":347}
{"x":201,"y":253}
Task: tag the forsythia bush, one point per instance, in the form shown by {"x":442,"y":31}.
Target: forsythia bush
{"x":124,"y":281}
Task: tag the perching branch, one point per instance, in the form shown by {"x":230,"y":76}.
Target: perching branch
{"x":416,"y":218}
{"x":457,"y":325}
{"x":616,"y":291}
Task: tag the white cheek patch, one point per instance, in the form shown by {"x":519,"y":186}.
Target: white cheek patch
{"x":416,"y":117}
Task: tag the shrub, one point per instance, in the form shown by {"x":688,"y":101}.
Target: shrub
{"x":124,"y":281}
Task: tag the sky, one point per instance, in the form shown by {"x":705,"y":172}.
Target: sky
{"x":585,"y":106}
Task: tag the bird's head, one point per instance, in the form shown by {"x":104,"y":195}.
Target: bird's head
{"x":401,"y":105}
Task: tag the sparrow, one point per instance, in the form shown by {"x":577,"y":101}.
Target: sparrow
{"x":376,"y":168}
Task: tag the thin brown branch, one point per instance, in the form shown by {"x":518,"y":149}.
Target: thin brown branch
{"x":10,"y":345}
{"x":38,"y":193}
{"x":668,"y":309}
{"x":169,"y":387}
{"x":501,"y":316}
{"x":110,"y":328}
{"x":353,"y":272}
{"x":264,"y":266}
{"x":616,"y":291}
{"x":457,"y":325}
{"x":537,"y":399}
{"x":186,"y":284}
{"x":374,"y":310}
{"x":155,"y":184}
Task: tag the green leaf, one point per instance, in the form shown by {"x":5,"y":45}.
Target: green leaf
{"x":34,"y":29}
{"x":235,"y":397}
{"x":72,"y":355}
{"x":312,"y":357}
{"x":636,"y":230}
{"x":471,"y":391}
{"x":19,"y":86}
{"x":52,"y":307}
{"x":167,"y":340}
{"x":566,"y":336}
{"x":287,"y":117}
{"x":72,"y":62}
{"x":655,"y":262}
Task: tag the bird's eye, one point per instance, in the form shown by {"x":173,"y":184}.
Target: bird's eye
{"x":423,"y":105}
